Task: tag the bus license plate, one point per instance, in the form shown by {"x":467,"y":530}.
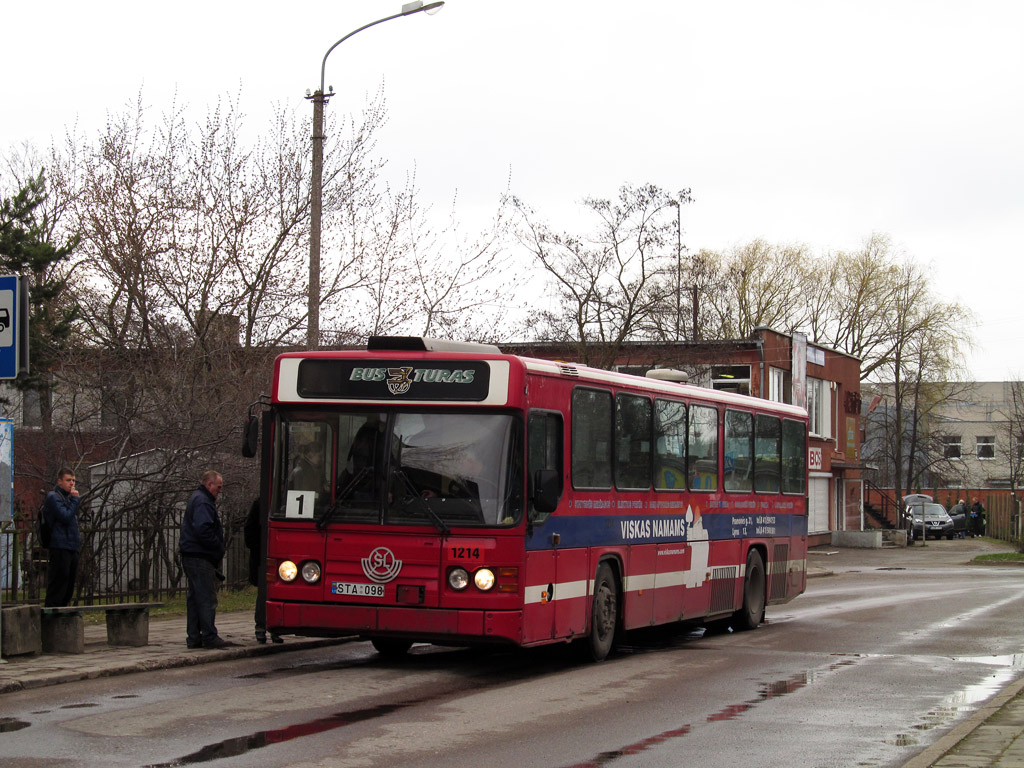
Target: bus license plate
{"x":357,"y":590}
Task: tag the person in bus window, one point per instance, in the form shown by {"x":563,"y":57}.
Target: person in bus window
{"x":356,"y":480}
{"x":306,"y":463}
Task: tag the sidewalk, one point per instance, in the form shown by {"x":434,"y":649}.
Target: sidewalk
{"x":166,"y":649}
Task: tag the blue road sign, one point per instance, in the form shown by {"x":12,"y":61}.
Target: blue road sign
{"x":8,"y":327}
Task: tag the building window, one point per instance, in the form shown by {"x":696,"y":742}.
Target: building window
{"x":819,"y":407}
{"x":731,"y":378}
{"x":780,"y":385}
{"x":951,"y":447}
{"x":987,"y":447}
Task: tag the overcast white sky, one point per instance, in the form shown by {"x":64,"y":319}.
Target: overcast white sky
{"x":813,"y":122}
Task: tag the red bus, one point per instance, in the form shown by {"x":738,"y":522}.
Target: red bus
{"x":444,"y":492}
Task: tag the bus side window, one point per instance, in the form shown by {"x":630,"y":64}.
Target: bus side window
{"x":591,"y":438}
{"x":702,"y":449}
{"x":633,"y":442}
{"x":670,"y":444}
{"x":794,"y":457}
{"x":767,"y":454}
{"x":739,"y":453}
{"x":544,"y":451}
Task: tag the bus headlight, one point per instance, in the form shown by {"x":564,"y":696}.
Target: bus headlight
{"x":484,"y":579}
{"x":458,"y":579}
{"x":311,"y":572}
{"x":287,"y":571}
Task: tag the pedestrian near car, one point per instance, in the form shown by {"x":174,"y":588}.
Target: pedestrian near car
{"x":254,"y":541}
{"x":202,"y":549}
{"x":60,"y":511}
{"x":977,"y":518}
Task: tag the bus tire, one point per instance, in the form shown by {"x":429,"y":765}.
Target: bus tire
{"x":752,"y":613}
{"x":604,"y":614}
{"x":391,"y":647}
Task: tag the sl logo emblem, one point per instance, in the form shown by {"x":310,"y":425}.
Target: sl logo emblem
{"x":381,"y":566}
{"x":398,"y":380}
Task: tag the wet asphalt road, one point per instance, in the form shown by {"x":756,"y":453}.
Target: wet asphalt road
{"x":868,"y":667}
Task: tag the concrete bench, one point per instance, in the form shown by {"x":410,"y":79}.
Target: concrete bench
{"x":63,"y":629}
{"x":19,"y":630}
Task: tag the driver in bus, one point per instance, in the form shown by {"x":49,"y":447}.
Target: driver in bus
{"x":358,"y":471}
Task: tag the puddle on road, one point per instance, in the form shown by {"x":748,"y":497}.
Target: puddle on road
{"x":966,"y":699}
{"x":8,"y":724}
{"x":766,"y":691}
{"x":240,"y":745}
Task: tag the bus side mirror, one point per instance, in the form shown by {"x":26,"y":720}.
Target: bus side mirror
{"x":545,"y":490}
{"x":250,"y":437}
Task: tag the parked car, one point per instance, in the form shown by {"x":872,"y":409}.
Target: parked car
{"x":929,"y":519}
{"x":960,"y":517}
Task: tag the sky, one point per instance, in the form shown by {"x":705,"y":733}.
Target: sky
{"x":797,"y":122}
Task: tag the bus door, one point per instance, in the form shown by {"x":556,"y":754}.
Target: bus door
{"x":572,"y":589}
{"x":557,"y":591}
{"x":538,"y":608}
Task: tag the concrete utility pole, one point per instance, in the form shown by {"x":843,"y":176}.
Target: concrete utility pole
{"x":319,"y":99}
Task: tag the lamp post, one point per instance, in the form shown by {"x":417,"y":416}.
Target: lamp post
{"x":319,"y":99}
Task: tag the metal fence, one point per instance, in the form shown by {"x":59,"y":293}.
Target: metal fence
{"x":118,"y":564}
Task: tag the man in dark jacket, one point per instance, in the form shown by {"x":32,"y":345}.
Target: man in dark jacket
{"x":60,"y":511}
{"x":202,"y":548}
{"x":977,"y":518}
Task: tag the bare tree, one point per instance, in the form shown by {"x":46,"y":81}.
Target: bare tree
{"x":607,"y":286}
{"x":759,"y":286}
{"x":430,"y":280}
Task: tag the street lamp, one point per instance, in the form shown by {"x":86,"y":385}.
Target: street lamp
{"x":319,"y":99}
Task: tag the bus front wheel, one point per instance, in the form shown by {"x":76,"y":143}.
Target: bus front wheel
{"x":604,"y":614}
{"x":752,"y":612}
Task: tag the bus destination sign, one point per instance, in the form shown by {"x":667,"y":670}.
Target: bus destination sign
{"x":442,"y":380}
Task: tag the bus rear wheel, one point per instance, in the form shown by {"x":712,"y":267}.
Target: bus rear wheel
{"x":604,"y":614}
{"x":752,"y":612}
{"x":391,"y":647}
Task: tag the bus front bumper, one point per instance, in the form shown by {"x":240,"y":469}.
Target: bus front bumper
{"x":424,"y":624}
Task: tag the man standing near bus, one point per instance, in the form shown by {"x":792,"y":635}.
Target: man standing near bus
{"x":60,"y":511}
{"x":202,"y":549}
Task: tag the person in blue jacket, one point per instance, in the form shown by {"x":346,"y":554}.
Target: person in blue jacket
{"x":202,"y":549}
{"x":61,"y":513}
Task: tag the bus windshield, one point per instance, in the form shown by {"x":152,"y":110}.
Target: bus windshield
{"x":400,"y":468}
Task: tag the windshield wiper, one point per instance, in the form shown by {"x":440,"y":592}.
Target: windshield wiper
{"x":331,"y":511}
{"x":441,"y":525}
